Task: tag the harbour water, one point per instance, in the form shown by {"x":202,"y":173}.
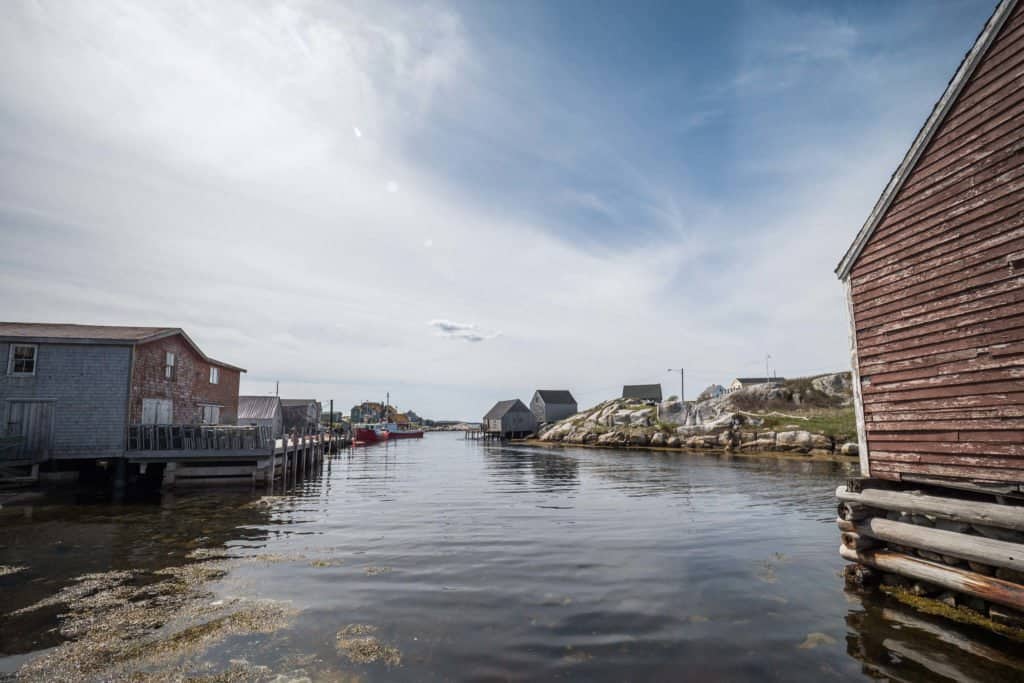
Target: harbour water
{"x":445,"y":559}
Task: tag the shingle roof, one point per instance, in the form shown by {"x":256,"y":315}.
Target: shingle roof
{"x":502,"y":407}
{"x":643,"y":391}
{"x":924,"y":136}
{"x":98,"y":334}
{"x":560,"y":396}
{"x":257,"y":407}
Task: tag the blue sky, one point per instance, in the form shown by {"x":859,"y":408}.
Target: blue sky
{"x":460,"y":202}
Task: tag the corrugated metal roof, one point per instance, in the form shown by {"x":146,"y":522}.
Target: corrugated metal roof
{"x":647,"y":392}
{"x":297,"y":401}
{"x":556,"y":396}
{"x":502,"y":407}
{"x":257,"y":407}
{"x":98,"y":334}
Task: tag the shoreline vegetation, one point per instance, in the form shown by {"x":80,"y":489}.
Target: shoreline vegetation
{"x":804,"y":417}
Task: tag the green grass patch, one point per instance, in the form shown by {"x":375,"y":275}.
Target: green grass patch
{"x":839,"y":423}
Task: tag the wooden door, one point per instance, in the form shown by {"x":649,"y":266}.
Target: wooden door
{"x":156,"y":411}
{"x":32,"y":421}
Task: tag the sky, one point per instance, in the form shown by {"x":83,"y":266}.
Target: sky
{"x":460,"y":202}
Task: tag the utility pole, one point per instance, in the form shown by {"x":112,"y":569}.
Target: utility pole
{"x":277,"y":388}
{"x":767,"y":375}
{"x":682,"y":383}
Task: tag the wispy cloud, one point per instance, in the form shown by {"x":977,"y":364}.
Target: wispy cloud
{"x":465,"y":331}
{"x":246,"y":170}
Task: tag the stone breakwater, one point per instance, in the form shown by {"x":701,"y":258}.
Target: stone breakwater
{"x":619,"y":423}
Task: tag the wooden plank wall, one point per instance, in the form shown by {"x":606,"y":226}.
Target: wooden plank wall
{"x":937,"y":292}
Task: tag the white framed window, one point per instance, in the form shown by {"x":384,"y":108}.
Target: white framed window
{"x":170,"y":364}
{"x":21,"y":361}
{"x":214,"y":375}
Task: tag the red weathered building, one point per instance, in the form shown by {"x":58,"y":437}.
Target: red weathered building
{"x":934,"y":282}
{"x":173,"y":381}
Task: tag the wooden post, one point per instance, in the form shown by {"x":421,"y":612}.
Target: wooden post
{"x":977,"y":585}
{"x":967,"y":511}
{"x":972,"y":548}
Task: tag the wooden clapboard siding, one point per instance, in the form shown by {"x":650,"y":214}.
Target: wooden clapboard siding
{"x":937,"y":289}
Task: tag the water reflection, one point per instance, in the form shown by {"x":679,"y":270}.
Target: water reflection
{"x":893,"y":641}
{"x":479,"y":561}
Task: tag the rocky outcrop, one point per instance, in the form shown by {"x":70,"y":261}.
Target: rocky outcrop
{"x":717,"y":423}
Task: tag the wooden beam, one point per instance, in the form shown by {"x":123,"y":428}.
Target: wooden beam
{"x":968,"y":511}
{"x":985,"y":587}
{"x":966,"y":547}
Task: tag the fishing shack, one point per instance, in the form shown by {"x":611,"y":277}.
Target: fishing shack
{"x":509,"y":419}
{"x":936,"y":307}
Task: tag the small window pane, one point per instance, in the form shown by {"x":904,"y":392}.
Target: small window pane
{"x":214,"y":375}
{"x":23,"y":360}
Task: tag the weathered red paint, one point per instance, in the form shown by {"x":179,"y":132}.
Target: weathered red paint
{"x":937,"y":291}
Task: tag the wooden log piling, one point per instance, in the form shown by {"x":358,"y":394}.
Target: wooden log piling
{"x":951,"y":578}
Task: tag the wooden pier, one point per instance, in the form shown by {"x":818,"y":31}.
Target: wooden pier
{"x":201,"y":455}
{"x":480,"y":435}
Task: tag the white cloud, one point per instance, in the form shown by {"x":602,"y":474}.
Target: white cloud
{"x":199,"y":153}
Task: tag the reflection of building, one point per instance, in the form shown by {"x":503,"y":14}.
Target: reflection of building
{"x":551,"y":405}
{"x":894,"y":642}
{"x":509,"y":418}
{"x":71,"y":391}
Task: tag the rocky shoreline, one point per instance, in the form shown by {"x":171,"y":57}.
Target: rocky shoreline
{"x":714,"y":424}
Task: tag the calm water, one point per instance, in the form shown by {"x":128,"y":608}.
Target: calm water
{"x":518,"y":563}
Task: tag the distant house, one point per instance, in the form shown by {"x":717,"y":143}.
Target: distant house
{"x":367,"y":411}
{"x":301,"y":415}
{"x":261,"y":411}
{"x":746,"y":382}
{"x":712,"y":391}
{"x":71,"y":391}
{"x":510,"y":419}
{"x":551,"y":405}
{"x":642,"y":392}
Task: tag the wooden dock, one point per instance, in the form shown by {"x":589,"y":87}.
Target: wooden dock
{"x":480,"y":435}
{"x":193,"y":455}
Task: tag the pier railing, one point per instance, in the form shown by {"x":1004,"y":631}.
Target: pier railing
{"x":199,"y":438}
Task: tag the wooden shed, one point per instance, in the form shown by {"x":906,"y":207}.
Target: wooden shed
{"x":551,"y":405}
{"x":509,"y":418}
{"x":936,"y":304}
{"x":934,"y":283}
{"x":642,"y":392}
{"x":261,"y":411}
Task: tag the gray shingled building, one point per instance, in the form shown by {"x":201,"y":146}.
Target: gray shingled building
{"x":642,"y":392}
{"x":551,"y":405}
{"x":509,"y":419}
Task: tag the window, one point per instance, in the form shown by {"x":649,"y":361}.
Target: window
{"x":169,"y":365}
{"x":211,"y":415}
{"x":22,"y":360}
{"x":214,"y":375}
